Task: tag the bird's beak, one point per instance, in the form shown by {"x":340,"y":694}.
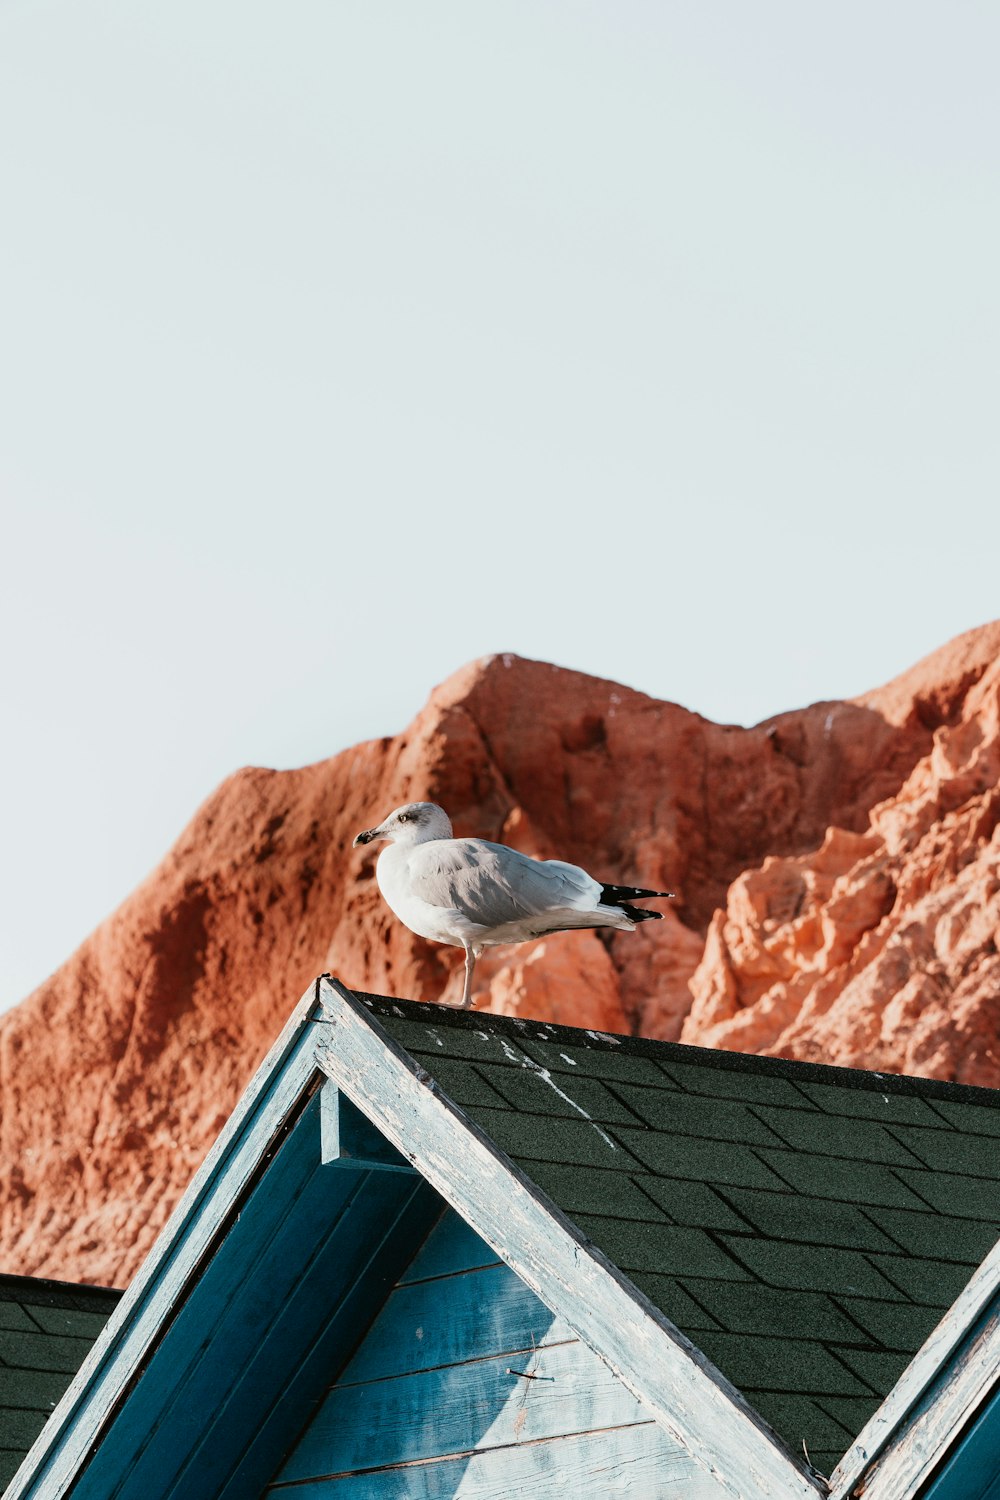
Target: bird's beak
{"x":365,"y":837}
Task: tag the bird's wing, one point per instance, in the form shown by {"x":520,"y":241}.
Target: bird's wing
{"x":492,"y":885}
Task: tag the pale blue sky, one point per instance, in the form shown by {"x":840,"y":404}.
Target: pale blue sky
{"x":340,"y":344}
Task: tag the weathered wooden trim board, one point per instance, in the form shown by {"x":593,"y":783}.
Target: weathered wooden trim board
{"x":703,"y":1413}
{"x":937,"y":1395}
{"x":971,"y":1470}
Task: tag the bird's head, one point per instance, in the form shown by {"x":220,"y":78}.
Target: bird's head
{"x":414,"y":823}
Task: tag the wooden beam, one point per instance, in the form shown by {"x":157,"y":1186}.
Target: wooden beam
{"x":349,"y":1139}
{"x":933,"y":1400}
{"x":704,"y":1414}
{"x":970,"y":1470}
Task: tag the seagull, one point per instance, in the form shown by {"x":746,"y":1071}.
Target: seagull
{"x":472,"y":894}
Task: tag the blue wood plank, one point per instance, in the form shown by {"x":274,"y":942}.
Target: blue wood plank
{"x":634,"y":1463}
{"x":288,"y":1293}
{"x":973,"y":1470}
{"x":317,"y":1329}
{"x":190,"y":1338}
{"x":307,"y":1381}
{"x":448,"y":1321}
{"x":217,"y":1427}
{"x":463,"y":1407}
{"x":269,"y":1106}
{"x":453,"y":1245}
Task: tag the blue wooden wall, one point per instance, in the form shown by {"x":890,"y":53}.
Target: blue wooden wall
{"x":429,"y":1405}
{"x":347,"y":1337}
{"x":972,"y":1472}
{"x":293,"y":1282}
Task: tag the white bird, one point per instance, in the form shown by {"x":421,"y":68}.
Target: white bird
{"x":474,"y":895}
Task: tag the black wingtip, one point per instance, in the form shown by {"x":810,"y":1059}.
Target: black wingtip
{"x":618,"y":895}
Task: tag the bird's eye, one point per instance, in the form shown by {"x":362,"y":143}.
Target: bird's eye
{"x":403,"y":818}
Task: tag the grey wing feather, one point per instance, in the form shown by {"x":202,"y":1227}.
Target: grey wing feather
{"x":491,"y":884}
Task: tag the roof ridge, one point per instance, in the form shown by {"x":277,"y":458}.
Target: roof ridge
{"x":11,"y":1286}
{"x":904,"y":1084}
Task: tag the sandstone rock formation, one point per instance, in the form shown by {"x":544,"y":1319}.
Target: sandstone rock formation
{"x":879,"y":950}
{"x":837,"y":870}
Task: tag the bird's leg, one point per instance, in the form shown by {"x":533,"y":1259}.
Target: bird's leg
{"x":470,"y":964}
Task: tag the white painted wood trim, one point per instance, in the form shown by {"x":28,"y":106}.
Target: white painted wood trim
{"x":275,"y":1091}
{"x":689,"y":1397}
{"x":927,"y":1438}
{"x":930,"y":1403}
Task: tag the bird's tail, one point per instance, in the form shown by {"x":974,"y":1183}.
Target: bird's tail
{"x":621,"y":897}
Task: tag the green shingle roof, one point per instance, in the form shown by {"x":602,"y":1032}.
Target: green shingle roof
{"x":805,"y":1226}
{"x":46,"y":1330}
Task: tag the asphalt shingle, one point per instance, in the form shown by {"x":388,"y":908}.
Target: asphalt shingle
{"x":974,"y":1119}
{"x":37,"y":1390}
{"x":46,"y":1331}
{"x":562,"y":1140}
{"x":803,"y":1225}
{"x":818,"y":1268}
{"x":538,"y":1091}
{"x":951,"y":1193}
{"x":621,"y":1067}
{"x":13,"y":1315}
{"x":698,"y":1115}
{"x":775,"y":1364}
{"x":73,"y":1322}
{"x":750,"y":1307}
{"x":878,"y":1369}
{"x":932,"y":1283}
{"x":689,"y":1202}
{"x":831,"y":1135}
{"x":466,"y":1085}
{"x":704,"y":1161}
{"x":669,"y":1295}
{"x":799,"y":1414}
{"x":746,"y":1086}
{"x":817,"y":1221}
{"x":660,"y":1247}
{"x":852,"y":1412}
{"x":18,"y":1429}
{"x":927,"y":1234}
{"x":598,"y":1190}
{"x":893,"y":1325}
{"x":872,"y":1104}
{"x":846,"y":1181}
{"x":951,"y":1150}
{"x":40,"y":1351}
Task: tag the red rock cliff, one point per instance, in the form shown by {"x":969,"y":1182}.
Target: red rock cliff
{"x":838,"y":871}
